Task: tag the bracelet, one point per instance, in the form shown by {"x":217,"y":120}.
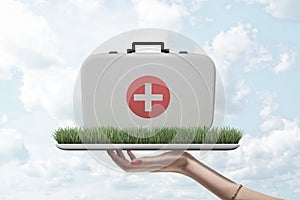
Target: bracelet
{"x":233,"y":197}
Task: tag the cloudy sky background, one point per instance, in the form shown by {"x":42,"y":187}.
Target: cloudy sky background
{"x":254,"y":44}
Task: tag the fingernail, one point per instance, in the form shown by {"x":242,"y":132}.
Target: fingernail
{"x":136,"y":162}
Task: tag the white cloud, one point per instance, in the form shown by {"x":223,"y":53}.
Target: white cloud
{"x":167,"y":14}
{"x":271,"y":123}
{"x":60,"y":171}
{"x":50,"y":88}
{"x":66,"y":175}
{"x":237,"y":44}
{"x":53,"y":167}
{"x":150,"y":186}
{"x":12,"y":147}
{"x":196,"y":4}
{"x":86,"y":5}
{"x":287,"y":60}
{"x":269,"y":104}
{"x":28,"y":44}
{"x":267,"y":163}
{"x":4,"y":118}
{"x":288,"y":9}
{"x":25,"y":39}
{"x":6,"y":65}
{"x":231,"y":44}
{"x":261,"y":61}
{"x":241,"y":93}
{"x":228,"y":6}
{"x":209,"y":19}
{"x":155,"y":13}
{"x":271,"y":155}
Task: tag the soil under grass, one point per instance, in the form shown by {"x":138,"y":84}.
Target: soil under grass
{"x":166,"y":135}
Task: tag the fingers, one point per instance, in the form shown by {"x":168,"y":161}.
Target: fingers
{"x":134,"y":166}
{"x":131,"y":155}
{"x":158,"y":163}
{"x":118,"y":160}
{"x":123,"y":163}
{"x":120,"y":153}
{"x":110,"y":152}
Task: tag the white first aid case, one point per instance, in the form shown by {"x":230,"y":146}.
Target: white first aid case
{"x":108,"y":78}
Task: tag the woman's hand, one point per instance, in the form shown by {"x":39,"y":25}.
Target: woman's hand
{"x":173,"y":161}
{"x":184,"y":163}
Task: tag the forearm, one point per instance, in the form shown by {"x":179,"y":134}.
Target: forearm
{"x":218,"y":184}
{"x":211,"y":180}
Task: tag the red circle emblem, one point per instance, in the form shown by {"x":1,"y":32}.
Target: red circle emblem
{"x":148,"y":96}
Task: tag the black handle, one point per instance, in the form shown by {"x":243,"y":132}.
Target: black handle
{"x":162,"y":46}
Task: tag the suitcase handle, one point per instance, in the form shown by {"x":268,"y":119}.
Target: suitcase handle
{"x":162,"y":46}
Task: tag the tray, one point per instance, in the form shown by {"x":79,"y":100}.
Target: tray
{"x":201,"y":147}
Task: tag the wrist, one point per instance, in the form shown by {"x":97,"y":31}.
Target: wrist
{"x":183,"y":161}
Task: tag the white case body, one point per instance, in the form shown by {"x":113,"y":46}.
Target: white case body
{"x":190,"y":78}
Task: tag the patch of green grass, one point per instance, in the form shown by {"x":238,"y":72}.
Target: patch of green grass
{"x":166,"y":135}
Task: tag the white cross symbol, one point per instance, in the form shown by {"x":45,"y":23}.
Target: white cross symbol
{"x":148,"y":97}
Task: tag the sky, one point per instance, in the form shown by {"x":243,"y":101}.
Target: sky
{"x":254,"y":44}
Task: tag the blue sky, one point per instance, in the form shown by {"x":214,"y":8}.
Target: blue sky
{"x":254,"y":44}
